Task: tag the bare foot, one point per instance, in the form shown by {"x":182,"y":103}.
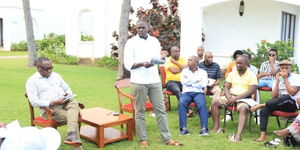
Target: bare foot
{"x":283,"y":133}
{"x":261,"y":139}
{"x":214,"y":129}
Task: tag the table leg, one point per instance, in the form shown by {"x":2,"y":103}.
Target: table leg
{"x":129,"y":129}
{"x":100,"y":137}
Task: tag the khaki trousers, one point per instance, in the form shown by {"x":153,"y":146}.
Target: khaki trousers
{"x":141,"y":93}
{"x":67,"y":113}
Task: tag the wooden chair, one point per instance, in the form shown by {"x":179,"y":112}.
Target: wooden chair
{"x":126,"y":100}
{"x":231,"y":109}
{"x":167,"y":93}
{"x":289,"y":116}
{"x":49,"y":122}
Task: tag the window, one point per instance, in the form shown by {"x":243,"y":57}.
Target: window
{"x":288,"y":27}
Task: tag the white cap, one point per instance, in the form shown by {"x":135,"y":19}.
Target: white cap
{"x":31,"y":138}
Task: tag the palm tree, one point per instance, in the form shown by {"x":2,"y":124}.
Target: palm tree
{"x":29,"y":33}
{"x":123,"y":32}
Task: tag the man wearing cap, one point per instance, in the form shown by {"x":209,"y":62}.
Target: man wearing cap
{"x":284,"y":94}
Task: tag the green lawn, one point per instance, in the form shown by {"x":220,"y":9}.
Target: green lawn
{"x":95,"y":88}
{"x":14,"y":53}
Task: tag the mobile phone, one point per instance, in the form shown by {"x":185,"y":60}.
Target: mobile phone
{"x":116,"y":113}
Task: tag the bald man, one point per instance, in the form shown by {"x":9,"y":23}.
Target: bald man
{"x":214,"y":74}
{"x":200,"y":52}
{"x":240,"y":84}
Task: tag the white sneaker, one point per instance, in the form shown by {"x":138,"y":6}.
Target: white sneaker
{"x":228,"y":117}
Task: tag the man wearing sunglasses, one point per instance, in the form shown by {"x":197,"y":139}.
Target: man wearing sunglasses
{"x":48,"y":89}
{"x":268,"y":70}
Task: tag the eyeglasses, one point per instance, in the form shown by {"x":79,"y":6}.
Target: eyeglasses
{"x":47,"y":68}
{"x":272,"y":55}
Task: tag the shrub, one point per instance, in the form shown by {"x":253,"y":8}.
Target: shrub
{"x":84,"y":37}
{"x":164,"y":21}
{"x":53,"y":47}
{"x":108,"y":62}
{"x":20,"y":46}
{"x":285,"y":51}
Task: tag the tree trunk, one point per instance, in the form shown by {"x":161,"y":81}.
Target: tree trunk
{"x":123,"y":35}
{"x":29,"y":33}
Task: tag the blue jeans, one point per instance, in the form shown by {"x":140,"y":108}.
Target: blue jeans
{"x":265,"y":83}
{"x":200,"y":101}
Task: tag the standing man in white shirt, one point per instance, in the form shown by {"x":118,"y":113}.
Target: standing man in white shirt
{"x":145,"y":82}
{"x":47,"y":89}
{"x":194,"y":81}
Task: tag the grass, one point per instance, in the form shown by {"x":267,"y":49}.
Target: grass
{"x":12,"y":53}
{"x":95,"y":88}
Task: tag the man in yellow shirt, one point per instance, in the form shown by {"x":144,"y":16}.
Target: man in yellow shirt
{"x":241,"y":83}
{"x":174,"y":65}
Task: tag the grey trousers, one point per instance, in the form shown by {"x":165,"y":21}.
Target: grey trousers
{"x":141,"y":93}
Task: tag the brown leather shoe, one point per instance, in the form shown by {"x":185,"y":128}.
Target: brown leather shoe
{"x":72,"y":139}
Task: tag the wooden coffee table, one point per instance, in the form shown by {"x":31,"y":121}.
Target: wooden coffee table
{"x":99,"y":122}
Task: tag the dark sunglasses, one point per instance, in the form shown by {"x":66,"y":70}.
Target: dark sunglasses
{"x":272,"y":55}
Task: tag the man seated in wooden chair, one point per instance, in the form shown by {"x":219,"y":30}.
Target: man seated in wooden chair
{"x":241,"y":83}
{"x":48,"y":89}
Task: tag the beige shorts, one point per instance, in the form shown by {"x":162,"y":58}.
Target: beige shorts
{"x":223,"y":100}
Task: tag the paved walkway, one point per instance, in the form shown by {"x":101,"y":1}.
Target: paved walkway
{"x":13,"y":57}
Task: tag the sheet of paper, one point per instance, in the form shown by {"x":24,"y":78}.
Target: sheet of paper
{"x":249,"y":101}
{"x":9,"y":127}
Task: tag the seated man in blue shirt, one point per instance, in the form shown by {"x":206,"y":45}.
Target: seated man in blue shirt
{"x":194,"y":80}
{"x":214,"y":74}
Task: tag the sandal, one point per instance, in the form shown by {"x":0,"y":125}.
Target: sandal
{"x":144,"y":144}
{"x":221,"y":130}
{"x":231,"y":138}
{"x":174,"y":143}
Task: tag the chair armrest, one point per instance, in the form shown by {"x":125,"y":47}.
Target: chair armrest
{"x":48,"y":112}
{"x":130,"y":97}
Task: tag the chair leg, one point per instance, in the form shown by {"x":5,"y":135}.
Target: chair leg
{"x":225,"y":114}
{"x":278,"y":121}
{"x":231,"y":115}
{"x":169,"y":99}
{"x":250,"y":120}
{"x":133,"y":123}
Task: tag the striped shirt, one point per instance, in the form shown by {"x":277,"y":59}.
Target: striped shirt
{"x":265,"y":67}
{"x":213,"y":70}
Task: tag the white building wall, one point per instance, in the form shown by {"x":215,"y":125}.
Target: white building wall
{"x":226,"y":31}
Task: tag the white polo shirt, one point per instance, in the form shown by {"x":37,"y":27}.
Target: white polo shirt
{"x":140,"y":50}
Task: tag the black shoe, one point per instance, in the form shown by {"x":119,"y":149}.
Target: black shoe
{"x":72,"y":139}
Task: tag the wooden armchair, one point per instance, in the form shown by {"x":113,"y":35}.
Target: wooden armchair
{"x":126,"y":100}
{"x":49,"y":122}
